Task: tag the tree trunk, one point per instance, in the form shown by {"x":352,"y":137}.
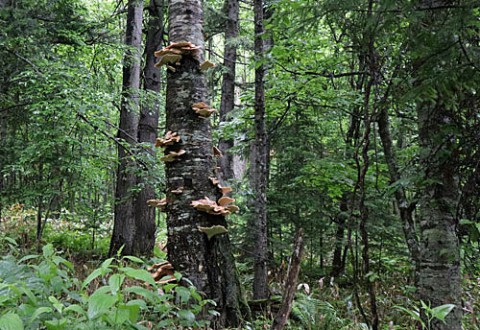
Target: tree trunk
{"x":440,"y":277}
{"x":259,"y":164}
{"x":439,"y":274}
{"x":232,"y":9}
{"x":144,"y":239}
{"x":291,"y":283}
{"x":404,"y":207}
{"x":207,"y":262}
{"x":124,"y":230}
{"x":338,"y":265}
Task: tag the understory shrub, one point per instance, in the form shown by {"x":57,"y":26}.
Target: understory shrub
{"x":42,"y":292}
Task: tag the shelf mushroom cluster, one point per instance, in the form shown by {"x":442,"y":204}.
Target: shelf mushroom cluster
{"x":223,"y":206}
{"x":173,"y":53}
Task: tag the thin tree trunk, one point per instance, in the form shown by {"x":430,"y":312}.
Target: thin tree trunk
{"x":338,"y":265}
{"x":291,"y":283}
{"x":3,"y":138}
{"x":207,"y":262}
{"x":124,"y":229}
{"x":144,"y":239}
{"x":259,"y":165}
{"x":405,"y":208}
{"x":232,"y":9}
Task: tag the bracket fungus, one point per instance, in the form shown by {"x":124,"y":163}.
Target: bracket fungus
{"x":173,"y":53}
{"x":172,"y":156}
{"x":162,"y":272}
{"x":207,"y":65}
{"x":223,"y":189}
{"x":177,"y":191}
{"x":202,"y":109}
{"x":169,"y":139}
{"x":160,"y":203}
{"x":213,"y":231}
{"x":223,"y":201}
{"x":211,"y":207}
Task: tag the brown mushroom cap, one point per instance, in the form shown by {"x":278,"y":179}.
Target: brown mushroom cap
{"x":169,"y":139}
{"x":225,"y":190}
{"x":160,"y":203}
{"x":202,"y":109}
{"x":207,"y":65}
{"x":211,"y":207}
{"x":223,"y":201}
{"x":172,"y":155}
{"x":172,"y":54}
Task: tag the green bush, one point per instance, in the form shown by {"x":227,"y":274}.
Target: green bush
{"x":41,"y":292}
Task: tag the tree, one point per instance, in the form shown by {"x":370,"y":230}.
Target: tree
{"x":124,"y":231}
{"x":259,"y":160}
{"x":232,"y":9}
{"x":197,"y":245}
{"x":147,"y":129}
{"x":441,"y":74}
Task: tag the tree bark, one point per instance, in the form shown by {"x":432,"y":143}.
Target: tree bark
{"x":440,"y":277}
{"x":259,"y":164}
{"x":404,"y":207}
{"x":291,"y":284}
{"x":144,"y":240}
{"x":232,"y":9}
{"x":439,"y":274}
{"x":208,"y":263}
{"x":124,"y":230}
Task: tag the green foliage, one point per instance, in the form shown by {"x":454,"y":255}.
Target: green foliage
{"x":436,"y":313}
{"x":41,"y":291}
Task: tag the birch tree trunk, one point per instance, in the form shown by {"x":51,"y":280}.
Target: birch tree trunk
{"x":440,"y":278}
{"x":207,"y":262}
{"x":124,"y":230}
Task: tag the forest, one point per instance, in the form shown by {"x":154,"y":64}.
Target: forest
{"x":240,"y":164}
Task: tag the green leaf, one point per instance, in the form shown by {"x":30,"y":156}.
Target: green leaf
{"x":99,"y":303}
{"x":115,"y":282}
{"x":183,"y":293}
{"x":413,"y":314}
{"x":57,"y":304}
{"x":48,"y":250}
{"x":29,"y":257}
{"x":75,"y":308}
{"x":134,"y":259}
{"x":11,"y":321}
{"x":39,"y":311}
{"x":187,"y":315}
{"x":138,"y":290}
{"x":106,"y":264}
{"x":139,"y":274}
{"x":96,"y":273}
{"x":441,"y":312}
{"x":56,"y":324}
